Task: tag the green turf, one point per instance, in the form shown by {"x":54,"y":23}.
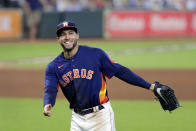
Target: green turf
{"x":26,"y":115}
{"x":171,"y":59}
{"x":18,"y":51}
{"x":183,"y":59}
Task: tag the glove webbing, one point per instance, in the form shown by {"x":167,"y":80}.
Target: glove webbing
{"x":172,"y":102}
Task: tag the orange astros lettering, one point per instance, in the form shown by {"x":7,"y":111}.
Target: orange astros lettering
{"x":90,"y":74}
{"x":76,"y":73}
{"x":83,"y":73}
{"x":70,"y":75}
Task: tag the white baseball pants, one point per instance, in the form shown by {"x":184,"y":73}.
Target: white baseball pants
{"x":102,"y":120}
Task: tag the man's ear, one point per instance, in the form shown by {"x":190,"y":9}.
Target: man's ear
{"x":78,"y":36}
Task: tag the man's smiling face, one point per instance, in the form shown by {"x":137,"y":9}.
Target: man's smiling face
{"x":68,"y":39}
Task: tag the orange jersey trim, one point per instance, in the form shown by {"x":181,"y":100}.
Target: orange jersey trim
{"x":58,"y":86}
{"x":102,"y":94}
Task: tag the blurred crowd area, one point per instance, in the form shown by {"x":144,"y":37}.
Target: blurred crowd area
{"x":33,"y":9}
{"x":80,"y":5}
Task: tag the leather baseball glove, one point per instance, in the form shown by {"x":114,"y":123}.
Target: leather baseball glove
{"x":166,"y":96}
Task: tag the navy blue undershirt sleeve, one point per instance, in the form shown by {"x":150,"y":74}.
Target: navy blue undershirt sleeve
{"x":130,"y":77}
{"x":51,"y":83}
{"x":108,"y":67}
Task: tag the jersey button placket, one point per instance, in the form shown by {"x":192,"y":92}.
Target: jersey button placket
{"x":72,"y":63}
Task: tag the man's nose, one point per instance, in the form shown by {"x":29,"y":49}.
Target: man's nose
{"x":66,"y":37}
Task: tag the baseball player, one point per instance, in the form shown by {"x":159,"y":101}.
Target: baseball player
{"x":80,"y":71}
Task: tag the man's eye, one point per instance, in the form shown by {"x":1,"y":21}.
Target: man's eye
{"x":62,"y":34}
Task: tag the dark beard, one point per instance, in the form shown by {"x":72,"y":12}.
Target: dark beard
{"x":68,"y":50}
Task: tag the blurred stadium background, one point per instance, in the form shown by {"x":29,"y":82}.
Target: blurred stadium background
{"x":154,"y":38}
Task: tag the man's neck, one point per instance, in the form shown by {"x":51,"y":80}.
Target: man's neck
{"x":69,"y":54}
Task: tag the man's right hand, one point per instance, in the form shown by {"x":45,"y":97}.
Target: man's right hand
{"x":47,"y":109}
